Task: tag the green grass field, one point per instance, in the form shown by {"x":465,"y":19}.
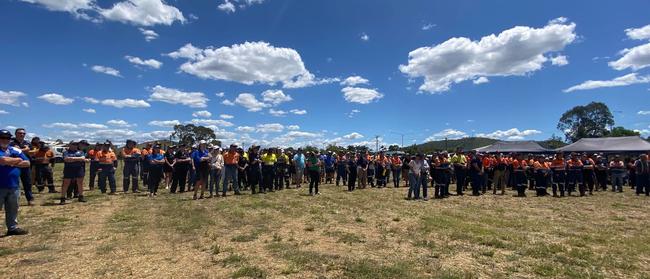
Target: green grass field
{"x":372,"y":233}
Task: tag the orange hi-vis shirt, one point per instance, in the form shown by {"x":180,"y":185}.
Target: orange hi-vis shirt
{"x":574,"y":163}
{"x":519,"y":165}
{"x":145,"y":151}
{"x":43,"y":157}
{"x":92,"y":154}
{"x":541,"y":166}
{"x":133,"y":151}
{"x":106,"y":157}
{"x":396,"y":161}
{"x":558,"y":164}
{"x":487,"y":162}
{"x":231,"y":158}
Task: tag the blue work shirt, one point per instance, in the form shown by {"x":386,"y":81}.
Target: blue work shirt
{"x":10,"y":176}
{"x":198,"y":154}
{"x":300,"y":160}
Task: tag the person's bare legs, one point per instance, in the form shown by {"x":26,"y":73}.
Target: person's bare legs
{"x":80,"y":186}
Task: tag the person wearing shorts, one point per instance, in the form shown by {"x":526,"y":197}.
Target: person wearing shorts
{"x":156,"y":162}
{"x":73,"y":169}
{"x":201,"y":165}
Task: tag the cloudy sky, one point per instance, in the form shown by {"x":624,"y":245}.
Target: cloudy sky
{"x":315,"y":72}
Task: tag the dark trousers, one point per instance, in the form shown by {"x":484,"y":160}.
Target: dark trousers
{"x":643,"y":183}
{"x":396,"y":177}
{"x":589,"y":178}
{"x":130,"y":173}
{"x":341,"y":175}
{"x":424,"y":184}
{"x":541,"y":182}
{"x":43,"y":176}
{"x":381,"y":178}
{"x":179,"y":178}
{"x":107,"y":173}
{"x":281,"y":178}
{"x":559,"y":178}
{"x":574,"y":178}
{"x":477,"y":183}
{"x":460,"y":179}
{"x":314,"y":178}
{"x":26,"y":180}
{"x":601,"y":177}
{"x":253,"y":179}
{"x":245,"y":180}
{"x":520,"y":182}
{"x":352,"y":179}
{"x":94,"y":165}
{"x":267,"y":177}
{"x":155,"y":175}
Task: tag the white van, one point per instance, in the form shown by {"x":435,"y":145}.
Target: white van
{"x":58,"y":153}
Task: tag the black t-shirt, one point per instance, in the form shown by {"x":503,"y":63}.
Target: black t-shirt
{"x":181,"y":155}
{"x":478,"y":163}
{"x":170,"y":157}
{"x":362,"y":162}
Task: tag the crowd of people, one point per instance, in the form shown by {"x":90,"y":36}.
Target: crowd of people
{"x":207,"y":170}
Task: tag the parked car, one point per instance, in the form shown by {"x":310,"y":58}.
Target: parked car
{"x":58,"y":153}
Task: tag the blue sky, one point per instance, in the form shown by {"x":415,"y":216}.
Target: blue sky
{"x":317,"y":72}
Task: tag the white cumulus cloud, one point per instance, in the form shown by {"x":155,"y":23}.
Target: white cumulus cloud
{"x":56,"y":99}
{"x":513,"y":52}
{"x":211,"y":122}
{"x":177,"y":97}
{"x":164,"y":123}
{"x":298,"y":111}
{"x":119,"y":123}
{"x":354,"y":80}
{"x":635,"y":58}
{"x":202,"y":114}
{"x":151,"y":63}
{"x":447,"y":134}
{"x":275,"y":112}
{"x":353,"y":136}
{"x":106,"y":70}
{"x":149,"y":35}
{"x":559,"y":60}
{"x":12,"y":98}
{"x":481,"y":80}
{"x":625,"y":80}
{"x":125,"y":103}
{"x":89,"y":110}
{"x":226,"y":116}
{"x":248,"y":63}
{"x":270,"y":128}
{"x":249,"y":101}
{"x":642,"y":33}
{"x":361,"y":95}
{"x":143,"y":13}
{"x":275,"y":97}
{"x":512,"y":134}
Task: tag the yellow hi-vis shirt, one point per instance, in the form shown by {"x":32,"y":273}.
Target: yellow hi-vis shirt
{"x":269,"y":159}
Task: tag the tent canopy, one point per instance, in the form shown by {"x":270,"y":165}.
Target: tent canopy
{"x":619,"y":144}
{"x":513,"y":147}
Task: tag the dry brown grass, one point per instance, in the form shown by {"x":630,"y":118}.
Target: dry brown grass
{"x":372,"y":233}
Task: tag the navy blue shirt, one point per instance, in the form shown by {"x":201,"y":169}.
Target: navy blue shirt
{"x":78,"y":153}
{"x":9,"y":176}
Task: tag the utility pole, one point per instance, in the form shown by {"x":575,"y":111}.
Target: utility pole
{"x":376,"y":144}
{"x":402,"y":135}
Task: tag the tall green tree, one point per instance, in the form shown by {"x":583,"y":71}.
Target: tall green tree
{"x":622,"y":132}
{"x":190,"y":134}
{"x":590,"y":121}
